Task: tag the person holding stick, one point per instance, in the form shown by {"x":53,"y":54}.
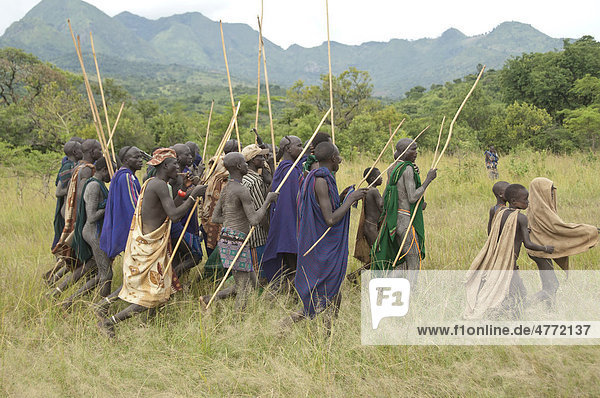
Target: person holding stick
{"x":321,"y":272}
{"x":86,"y":241}
{"x":281,"y":249}
{"x":403,"y":191}
{"x":85,"y":169}
{"x":147,"y":281}
{"x":121,"y":203}
{"x":73,"y":154}
{"x":368,"y":225}
{"x":235,"y":211}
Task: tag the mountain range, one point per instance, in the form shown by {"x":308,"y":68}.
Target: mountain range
{"x":131,"y":45}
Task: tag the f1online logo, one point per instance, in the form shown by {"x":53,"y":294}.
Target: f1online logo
{"x":389,"y":297}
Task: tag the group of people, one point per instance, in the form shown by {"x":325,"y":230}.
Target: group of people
{"x":298,"y":221}
{"x":494,"y":286}
{"x":183,"y":201}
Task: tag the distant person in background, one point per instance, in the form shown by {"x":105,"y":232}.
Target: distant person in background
{"x":491,"y":162}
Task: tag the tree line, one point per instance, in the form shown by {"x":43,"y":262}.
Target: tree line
{"x":544,"y":101}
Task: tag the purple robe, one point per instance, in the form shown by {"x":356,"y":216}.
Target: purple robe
{"x":283,"y":220}
{"x":120,"y":206}
{"x":320,"y":273}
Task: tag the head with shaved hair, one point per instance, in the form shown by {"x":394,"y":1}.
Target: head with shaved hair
{"x":184,"y":155}
{"x":231,"y":146}
{"x":517,"y":195}
{"x":499,"y":188}
{"x":410,"y":154}
{"x":92,"y":150}
{"x":290,"y":148}
{"x":235,"y":163}
{"x":328,"y":155}
{"x":73,"y":150}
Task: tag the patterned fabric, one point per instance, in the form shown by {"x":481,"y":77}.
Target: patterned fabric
{"x":159,"y":156}
{"x":216,"y":182}
{"x":229,"y":245}
{"x":62,"y":247}
{"x":255,"y":184}
{"x":146,"y":281}
{"x":64,"y":175}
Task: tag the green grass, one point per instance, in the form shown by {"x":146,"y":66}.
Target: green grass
{"x":45,"y":351}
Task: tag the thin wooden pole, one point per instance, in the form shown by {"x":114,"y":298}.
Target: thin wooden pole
{"x":359,"y":184}
{"x":212,"y":104}
{"x":437,"y":146}
{"x":237,"y":255}
{"x":259,"y":61}
{"x":237,"y":131}
{"x":102,"y":95}
{"x":268,"y":95}
{"x":221,"y":146}
{"x":91,"y":100}
{"x":330,"y":75}
{"x":435,"y":164}
{"x":112,"y":133}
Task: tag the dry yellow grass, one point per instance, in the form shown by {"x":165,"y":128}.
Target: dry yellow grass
{"x":182,"y":352}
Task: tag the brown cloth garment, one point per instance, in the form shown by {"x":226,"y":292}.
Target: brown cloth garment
{"x":546,"y":226}
{"x":146,"y":279}
{"x":63,"y":246}
{"x":362,"y":249}
{"x":216,"y":182}
{"x":488,"y":279}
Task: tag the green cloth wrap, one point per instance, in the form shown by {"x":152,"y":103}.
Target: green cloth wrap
{"x":386,"y":246}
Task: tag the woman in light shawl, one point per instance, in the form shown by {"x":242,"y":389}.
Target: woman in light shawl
{"x":546,"y":226}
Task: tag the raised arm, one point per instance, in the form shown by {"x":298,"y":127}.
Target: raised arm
{"x":408,"y":181}
{"x":256,"y":216}
{"x":175,"y":213}
{"x":523,"y":227}
{"x":333,"y":217}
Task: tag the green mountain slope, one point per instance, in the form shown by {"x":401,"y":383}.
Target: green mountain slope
{"x":193,"y":41}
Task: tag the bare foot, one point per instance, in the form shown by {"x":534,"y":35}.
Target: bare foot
{"x":203,"y":300}
{"x":107,"y":328}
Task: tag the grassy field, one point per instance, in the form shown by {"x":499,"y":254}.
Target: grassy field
{"x":45,"y":351}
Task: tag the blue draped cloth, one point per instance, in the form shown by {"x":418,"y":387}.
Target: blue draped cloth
{"x":120,"y":206}
{"x":320,"y":273}
{"x":283,"y":220}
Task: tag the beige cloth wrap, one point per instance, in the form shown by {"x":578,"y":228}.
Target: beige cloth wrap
{"x":547,"y":228}
{"x":145,"y":280}
{"x":215,"y":184}
{"x":488,"y":279}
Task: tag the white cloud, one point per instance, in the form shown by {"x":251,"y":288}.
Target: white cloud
{"x":356,"y":21}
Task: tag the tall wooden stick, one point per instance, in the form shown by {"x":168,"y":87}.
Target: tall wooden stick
{"x":212,"y":104}
{"x":268,"y":94}
{"x":359,"y":184}
{"x":237,"y":131}
{"x":91,"y":100}
{"x":399,"y":156}
{"x":437,"y":146}
{"x":435,"y":164}
{"x":239,"y":252}
{"x":102,"y":95}
{"x":197,"y":201}
{"x":221,"y":146}
{"x":112,"y":133}
{"x":330,"y":75}
{"x":259,"y":61}
{"x":380,"y":154}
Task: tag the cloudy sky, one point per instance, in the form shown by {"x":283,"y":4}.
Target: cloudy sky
{"x":357,"y":21}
